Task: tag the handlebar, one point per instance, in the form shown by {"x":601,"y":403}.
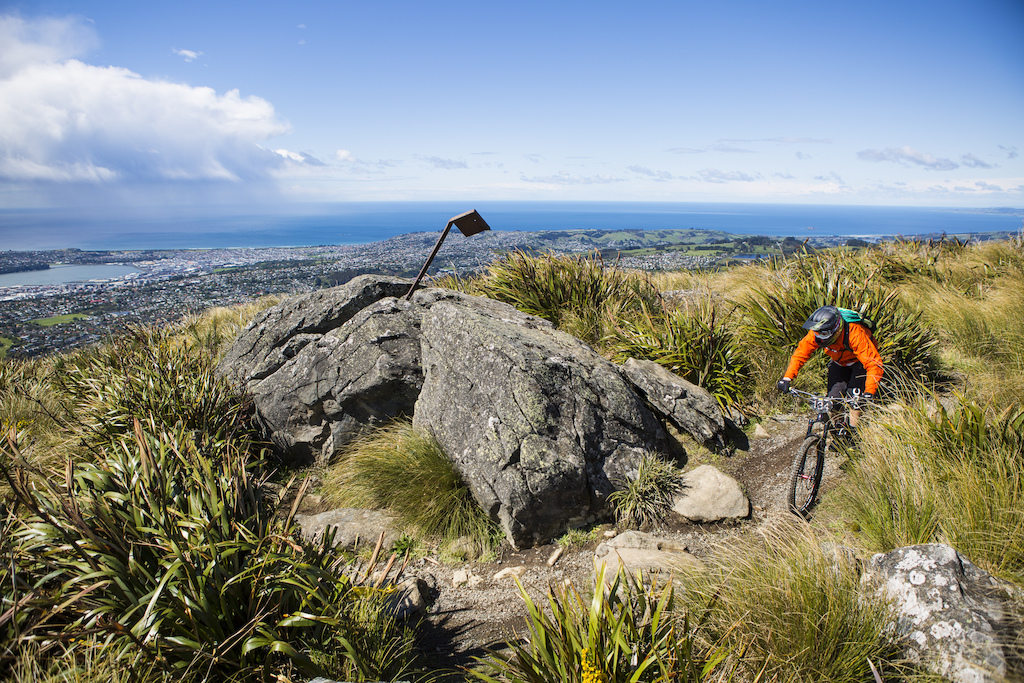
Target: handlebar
{"x":824,"y":403}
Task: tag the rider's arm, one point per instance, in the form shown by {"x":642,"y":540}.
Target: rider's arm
{"x":807,"y":346}
{"x":863,"y":345}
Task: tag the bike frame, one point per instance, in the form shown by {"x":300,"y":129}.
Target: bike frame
{"x":824,"y":411}
{"x":809,"y":462}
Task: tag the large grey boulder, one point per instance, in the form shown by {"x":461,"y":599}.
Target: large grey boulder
{"x":322,"y":367}
{"x":691,"y":408}
{"x":539,"y":425}
{"x":360,"y":375}
{"x":957,"y":620}
{"x":279,"y":332}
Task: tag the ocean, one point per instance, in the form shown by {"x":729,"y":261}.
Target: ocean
{"x":356,"y":223}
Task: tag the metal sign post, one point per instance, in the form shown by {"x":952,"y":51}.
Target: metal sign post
{"x":469,"y":224}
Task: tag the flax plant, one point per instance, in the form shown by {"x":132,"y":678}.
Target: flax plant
{"x":147,"y":375}
{"x":164,"y":547}
{"x":626,"y":633}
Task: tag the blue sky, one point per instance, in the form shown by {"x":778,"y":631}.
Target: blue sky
{"x":110,"y":102}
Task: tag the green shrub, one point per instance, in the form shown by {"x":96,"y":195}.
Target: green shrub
{"x":647,"y":498}
{"x":405,"y":471}
{"x":164,"y":546}
{"x":626,"y":632}
{"x":693,"y":342}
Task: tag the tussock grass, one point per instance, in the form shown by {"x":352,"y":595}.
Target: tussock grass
{"x":90,"y":662}
{"x":216,"y":328}
{"x":952,"y":476}
{"x":788,"y":607}
{"x":29,"y":404}
{"x":404,"y":471}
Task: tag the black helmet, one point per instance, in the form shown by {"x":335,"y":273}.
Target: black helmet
{"x":826,"y":324}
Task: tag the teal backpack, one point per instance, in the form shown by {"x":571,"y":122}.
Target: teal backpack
{"x":855,"y":317}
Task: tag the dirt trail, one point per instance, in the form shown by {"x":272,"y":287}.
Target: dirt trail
{"x":465,"y":621}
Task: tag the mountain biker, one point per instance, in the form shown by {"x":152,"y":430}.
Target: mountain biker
{"x":856,"y":363}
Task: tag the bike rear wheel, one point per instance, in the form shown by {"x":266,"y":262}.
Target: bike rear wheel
{"x":805,"y":474}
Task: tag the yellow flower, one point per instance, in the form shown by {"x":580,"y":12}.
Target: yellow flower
{"x":591,"y":671}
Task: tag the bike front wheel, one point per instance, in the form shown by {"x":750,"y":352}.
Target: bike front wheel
{"x":805,"y":474}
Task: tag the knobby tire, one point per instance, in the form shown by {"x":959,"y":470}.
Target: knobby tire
{"x":805,"y":474}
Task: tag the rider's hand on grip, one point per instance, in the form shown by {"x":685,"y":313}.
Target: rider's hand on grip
{"x":783,"y":385}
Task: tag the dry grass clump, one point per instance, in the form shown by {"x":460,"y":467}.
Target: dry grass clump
{"x":931,"y":474}
{"x":788,"y":606}
{"x":404,"y":471}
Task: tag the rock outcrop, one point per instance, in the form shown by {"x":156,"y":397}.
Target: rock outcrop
{"x":322,"y":367}
{"x":540,"y":426}
{"x":689,"y":407}
{"x":954,"y":616}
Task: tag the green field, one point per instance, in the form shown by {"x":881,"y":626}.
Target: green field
{"x":58,"y":319}
{"x":5,"y":343}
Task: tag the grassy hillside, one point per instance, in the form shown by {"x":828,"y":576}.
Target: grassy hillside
{"x":139,"y":544}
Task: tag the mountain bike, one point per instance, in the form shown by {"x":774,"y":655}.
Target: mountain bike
{"x":827,"y":426}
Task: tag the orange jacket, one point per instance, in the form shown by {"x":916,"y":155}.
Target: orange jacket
{"x":861,"y":348}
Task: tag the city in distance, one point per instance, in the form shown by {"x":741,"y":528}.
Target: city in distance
{"x":159,"y":286}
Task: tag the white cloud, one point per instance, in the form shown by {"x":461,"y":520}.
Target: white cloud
{"x":564,"y":178}
{"x":189,"y":55}
{"x":446,"y":164}
{"x":656,"y":175}
{"x":713,"y":175}
{"x":908,"y":155}
{"x":64,"y":120}
{"x":974,"y":162}
{"x":299,"y":157}
{"x":784,"y":140}
{"x":43,"y":41}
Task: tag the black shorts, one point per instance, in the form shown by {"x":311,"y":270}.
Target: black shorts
{"x":843,"y":379}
